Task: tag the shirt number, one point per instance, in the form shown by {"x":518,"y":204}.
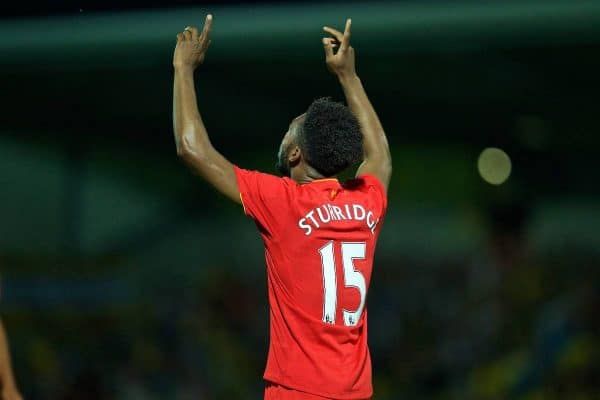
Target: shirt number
{"x":352,"y":278}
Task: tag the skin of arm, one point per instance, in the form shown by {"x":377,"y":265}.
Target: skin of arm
{"x":377,"y":159}
{"x":191,"y":137}
{"x":7,"y":380}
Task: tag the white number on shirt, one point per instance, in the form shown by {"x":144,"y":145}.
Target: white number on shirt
{"x":352,"y":278}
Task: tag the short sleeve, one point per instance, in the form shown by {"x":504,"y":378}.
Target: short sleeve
{"x":264,"y":196}
{"x":373,"y":183}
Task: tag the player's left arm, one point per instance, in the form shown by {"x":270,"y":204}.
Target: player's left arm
{"x":377,"y":159}
{"x":191,"y":137}
{"x":7,"y":380}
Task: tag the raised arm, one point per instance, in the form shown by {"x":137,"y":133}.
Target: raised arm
{"x":7,"y":380}
{"x":377,"y":159}
{"x":191,"y":138}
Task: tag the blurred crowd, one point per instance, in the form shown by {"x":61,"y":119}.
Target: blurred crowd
{"x":503,"y":323}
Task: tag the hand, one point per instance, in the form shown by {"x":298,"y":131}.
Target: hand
{"x":342,"y":62}
{"x":10,"y":393}
{"x":191,"y":48}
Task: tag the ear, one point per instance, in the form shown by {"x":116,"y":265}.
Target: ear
{"x":295,"y":155}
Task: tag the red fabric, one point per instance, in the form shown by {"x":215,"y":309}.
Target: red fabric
{"x":274,"y":391}
{"x":305,"y":353}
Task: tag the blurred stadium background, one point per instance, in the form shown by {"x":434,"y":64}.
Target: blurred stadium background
{"x":126,"y":277}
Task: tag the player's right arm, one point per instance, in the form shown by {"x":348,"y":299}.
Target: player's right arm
{"x":191,"y":137}
{"x":7,"y":380}
{"x":377,"y":159}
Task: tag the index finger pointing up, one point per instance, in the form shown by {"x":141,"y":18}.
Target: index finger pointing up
{"x":346,"y":38}
{"x":207,"y":25}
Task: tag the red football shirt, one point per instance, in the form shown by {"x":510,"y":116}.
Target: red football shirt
{"x":319,"y":244}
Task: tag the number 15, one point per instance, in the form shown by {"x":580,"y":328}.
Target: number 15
{"x":352,"y":278}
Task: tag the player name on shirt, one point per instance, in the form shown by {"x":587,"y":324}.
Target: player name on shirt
{"x":326,"y":213}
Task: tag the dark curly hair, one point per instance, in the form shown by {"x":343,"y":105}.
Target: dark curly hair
{"x":330,"y":137}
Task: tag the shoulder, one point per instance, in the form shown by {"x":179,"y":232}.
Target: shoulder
{"x":266,"y":198}
{"x":368,"y":184}
{"x":261,"y":178}
{"x":259,"y":190}
{"x":364,"y":182}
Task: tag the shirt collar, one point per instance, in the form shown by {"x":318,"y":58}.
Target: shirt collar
{"x":332,"y":182}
